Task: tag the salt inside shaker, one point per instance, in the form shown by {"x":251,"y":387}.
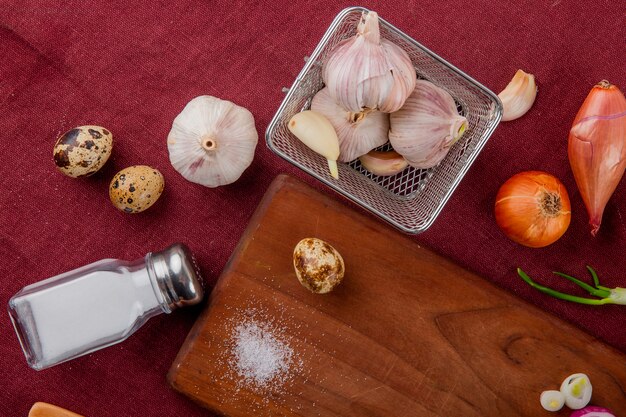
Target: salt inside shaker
{"x":101,"y":304}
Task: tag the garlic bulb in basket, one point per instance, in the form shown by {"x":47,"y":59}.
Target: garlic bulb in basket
{"x":425,"y":128}
{"x":212,"y":141}
{"x":358,"y":132}
{"x":366,"y":71}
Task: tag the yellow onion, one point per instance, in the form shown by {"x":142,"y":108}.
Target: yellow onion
{"x":533,"y":209}
{"x":597,"y":148}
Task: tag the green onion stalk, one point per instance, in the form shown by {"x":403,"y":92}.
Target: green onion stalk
{"x":605,"y":295}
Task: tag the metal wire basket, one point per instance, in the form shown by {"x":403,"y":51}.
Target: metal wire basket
{"x":412,"y":199}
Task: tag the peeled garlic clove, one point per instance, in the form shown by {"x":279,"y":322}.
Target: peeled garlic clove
{"x":577,"y":390}
{"x":358,"y":133}
{"x":383,"y":163}
{"x":212,"y":141}
{"x":552,"y":400}
{"x":316,"y":132}
{"x":518,"y":96}
{"x":426,"y":127}
{"x":367,"y":72}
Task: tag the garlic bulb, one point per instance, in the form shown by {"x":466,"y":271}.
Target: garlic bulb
{"x":425,"y":128}
{"x":367,"y":72}
{"x":359,"y":132}
{"x":212,"y":141}
{"x":518,"y":96}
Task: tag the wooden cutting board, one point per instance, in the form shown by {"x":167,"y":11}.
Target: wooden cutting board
{"x":407,"y":333}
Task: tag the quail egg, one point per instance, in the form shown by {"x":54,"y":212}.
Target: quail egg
{"x":319,"y":267}
{"x":136,"y":188}
{"x":82,"y":151}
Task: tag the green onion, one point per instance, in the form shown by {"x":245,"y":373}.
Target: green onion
{"x":605,"y":295}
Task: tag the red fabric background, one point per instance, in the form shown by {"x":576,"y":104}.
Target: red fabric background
{"x":132,"y":67}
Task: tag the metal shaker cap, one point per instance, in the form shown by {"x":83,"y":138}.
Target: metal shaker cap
{"x":177,"y":276}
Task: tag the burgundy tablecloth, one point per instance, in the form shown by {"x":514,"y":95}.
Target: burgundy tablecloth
{"x":132,"y":66}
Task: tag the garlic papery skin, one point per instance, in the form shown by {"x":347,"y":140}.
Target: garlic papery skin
{"x":368,"y":72}
{"x":383,"y":163}
{"x":317,"y":133}
{"x":518,"y":96}
{"x":425,"y":128}
{"x":358,"y":133}
{"x":212,"y":141}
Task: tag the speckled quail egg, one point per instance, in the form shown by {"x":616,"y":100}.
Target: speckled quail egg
{"x":319,"y":267}
{"x":135,"y":189}
{"x":83,"y":150}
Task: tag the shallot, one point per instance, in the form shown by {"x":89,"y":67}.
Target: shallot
{"x":597,"y":148}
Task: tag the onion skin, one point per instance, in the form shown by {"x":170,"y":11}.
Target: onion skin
{"x":597,"y":148}
{"x":533,"y":209}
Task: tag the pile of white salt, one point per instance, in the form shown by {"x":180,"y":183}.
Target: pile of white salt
{"x":260,"y":356}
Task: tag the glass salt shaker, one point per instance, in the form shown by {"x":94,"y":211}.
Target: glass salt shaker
{"x":101,"y":304}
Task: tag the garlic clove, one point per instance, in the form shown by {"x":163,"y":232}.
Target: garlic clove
{"x":212,"y":141}
{"x":318,"y":134}
{"x":367,"y":72}
{"x":359,"y":132}
{"x":518,"y":96}
{"x":383,"y":163}
{"x":426,"y":127}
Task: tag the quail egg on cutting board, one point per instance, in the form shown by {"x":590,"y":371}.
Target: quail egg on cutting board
{"x":319,"y":267}
{"x":136,"y":188}
{"x":82,"y":151}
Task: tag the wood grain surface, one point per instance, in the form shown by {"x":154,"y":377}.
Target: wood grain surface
{"x":408,"y":333}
